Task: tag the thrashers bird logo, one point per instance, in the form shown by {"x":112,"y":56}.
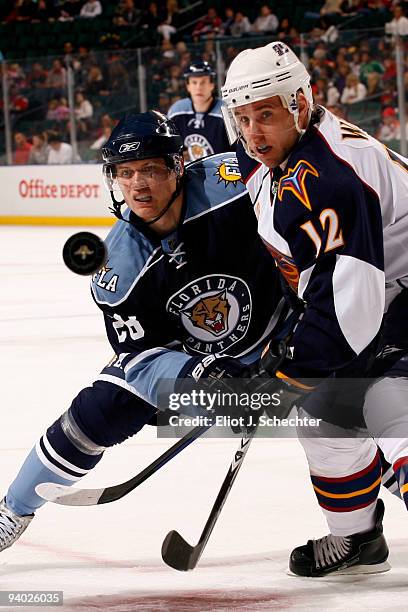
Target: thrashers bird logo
{"x":210,"y":313}
{"x":294,"y":181}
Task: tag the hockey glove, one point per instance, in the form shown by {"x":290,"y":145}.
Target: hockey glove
{"x":224,"y":380}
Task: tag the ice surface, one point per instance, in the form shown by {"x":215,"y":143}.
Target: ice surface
{"x":108,"y":557}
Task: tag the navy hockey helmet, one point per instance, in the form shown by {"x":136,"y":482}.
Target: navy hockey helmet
{"x":142,"y":136}
{"x":199,"y":69}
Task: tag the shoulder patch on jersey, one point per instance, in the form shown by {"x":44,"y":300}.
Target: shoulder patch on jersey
{"x":203,"y":191}
{"x":129,"y":256}
{"x":228,"y":171}
{"x":294,"y":181}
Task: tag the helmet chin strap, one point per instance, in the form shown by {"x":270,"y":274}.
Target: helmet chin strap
{"x":116,"y":208}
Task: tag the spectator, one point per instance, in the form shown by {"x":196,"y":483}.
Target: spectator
{"x":208,"y":27}
{"x":18,"y":102}
{"x":62,"y":110}
{"x":116,"y":73}
{"x":59,"y":152}
{"x":170,"y":22}
{"x":374,"y":87}
{"x":57,"y":77}
{"x":15,"y":75}
{"x":37,"y":76}
{"x":69,"y":10}
{"x":369,"y":65}
{"x":100,"y":141}
{"x":354,"y":90}
{"x":39,"y":151}
{"x":151,"y":18}
{"x":91,"y":9}
{"x":23,"y":10}
{"x":127,"y":14}
{"x":95,"y":83}
{"x":45,"y":11}
{"x":390,"y":127}
{"x":22,"y":149}
{"x":390,"y":70}
{"x":341,"y":76}
{"x":175,"y":83}
{"x":266,"y":22}
{"x":229,"y":14}
{"x":83,"y":107}
{"x":284,"y":28}
{"x":331,"y":8}
{"x":355,"y":63}
{"x":240,"y":26}
{"x":52,"y":110}
{"x":399,"y":24}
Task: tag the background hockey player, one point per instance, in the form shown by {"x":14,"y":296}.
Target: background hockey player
{"x":332,"y":207}
{"x":198,"y":117}
{"x":187,"y":276}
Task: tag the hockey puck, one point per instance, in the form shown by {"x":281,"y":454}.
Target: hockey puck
{"x":84,"y":253}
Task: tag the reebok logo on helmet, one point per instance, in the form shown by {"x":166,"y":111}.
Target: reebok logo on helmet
{"x":129,"y":146}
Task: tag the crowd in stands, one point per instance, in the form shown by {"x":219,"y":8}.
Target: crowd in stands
{"x":347,"y":73}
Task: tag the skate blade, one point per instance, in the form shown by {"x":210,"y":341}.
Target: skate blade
{"x":354,"y":570}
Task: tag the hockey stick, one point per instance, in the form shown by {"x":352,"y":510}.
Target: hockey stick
{"x":178,"y":553}
{"x":66,"y":496}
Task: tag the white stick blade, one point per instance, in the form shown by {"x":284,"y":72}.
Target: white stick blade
{"x":66,"y":496}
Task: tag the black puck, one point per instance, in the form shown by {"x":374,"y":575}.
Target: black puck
{"x":84,"y":253}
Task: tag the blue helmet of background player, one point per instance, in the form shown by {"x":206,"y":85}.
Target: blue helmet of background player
{"x":142,"y":136}
{"x":199,"y":69}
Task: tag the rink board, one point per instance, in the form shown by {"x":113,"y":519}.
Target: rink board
{"x":54,"y":195}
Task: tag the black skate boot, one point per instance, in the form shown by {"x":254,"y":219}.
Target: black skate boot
{"x":360,"y":553}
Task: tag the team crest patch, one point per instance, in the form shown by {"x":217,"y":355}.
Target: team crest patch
{"x":215,"y":312}
{"x":197,"y":146}
{"x":228,"y":171}
{"x":294,"y":181}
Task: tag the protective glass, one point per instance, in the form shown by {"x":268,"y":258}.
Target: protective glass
{"x":121,"y":177}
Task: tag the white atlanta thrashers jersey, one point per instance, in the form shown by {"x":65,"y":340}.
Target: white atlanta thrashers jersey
{"x":336,"y":222}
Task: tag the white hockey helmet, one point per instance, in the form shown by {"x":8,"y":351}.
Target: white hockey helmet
{"x":257,"y":74}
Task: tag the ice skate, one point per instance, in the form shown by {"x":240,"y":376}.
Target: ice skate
{"x":11,"y":525}
{"x":360,"y":553}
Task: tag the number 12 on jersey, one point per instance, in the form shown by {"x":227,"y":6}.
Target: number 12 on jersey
{"x":328,"y":217}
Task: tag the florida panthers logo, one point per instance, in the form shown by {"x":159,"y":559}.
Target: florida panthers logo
{"x":197,"y":146}
{"x":210,"y":313}
{"x":215,"y":312}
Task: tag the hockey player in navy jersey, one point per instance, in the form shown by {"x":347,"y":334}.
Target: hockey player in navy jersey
{"x":198,"y":117}
{"x":187,"y":276}
{"x":332,"y":206}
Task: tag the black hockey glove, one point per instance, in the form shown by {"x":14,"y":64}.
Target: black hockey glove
{"x":262,"y":379}
{"x":225,"y":380}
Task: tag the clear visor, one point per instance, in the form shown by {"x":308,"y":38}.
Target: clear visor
{"x":269,"y":119}
{"x":121,"y":177}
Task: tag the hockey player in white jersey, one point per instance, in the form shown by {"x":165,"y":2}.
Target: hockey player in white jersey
{"x":332,"y":206}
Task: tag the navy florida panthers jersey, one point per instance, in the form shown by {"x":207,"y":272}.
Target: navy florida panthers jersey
{"x":210,"y":287}
{"x":335,"y":218}
{"x":203,"y":133}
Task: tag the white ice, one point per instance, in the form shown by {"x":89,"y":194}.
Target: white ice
{"x":108,"y":557}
